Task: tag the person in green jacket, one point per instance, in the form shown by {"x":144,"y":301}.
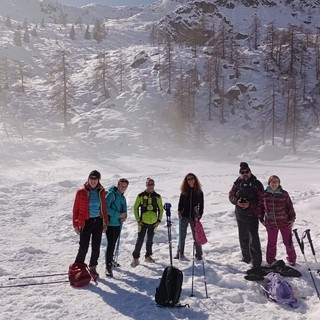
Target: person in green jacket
{"x":148,"y":211}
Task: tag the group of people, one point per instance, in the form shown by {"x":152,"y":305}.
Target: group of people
{"x":97,"y":211}
{"x":272,"y":207}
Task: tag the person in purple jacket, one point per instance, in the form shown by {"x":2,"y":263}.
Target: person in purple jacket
{"x":279,"y":215}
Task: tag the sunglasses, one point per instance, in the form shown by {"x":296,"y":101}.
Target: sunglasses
{"x":150,"y":184}
{"x":190,"y":179}
{"x":245,"y":172}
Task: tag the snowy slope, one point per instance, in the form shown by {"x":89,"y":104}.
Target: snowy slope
{"x":130,"y":135}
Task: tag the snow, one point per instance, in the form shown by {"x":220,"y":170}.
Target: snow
{"x":128,"y":136}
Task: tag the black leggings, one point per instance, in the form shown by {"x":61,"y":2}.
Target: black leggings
{"x":92,"y":229}
{"x":112,"y":234}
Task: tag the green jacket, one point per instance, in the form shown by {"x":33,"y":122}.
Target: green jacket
{"x":148,"y":207}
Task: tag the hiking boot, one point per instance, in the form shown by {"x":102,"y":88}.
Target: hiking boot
{"x":199,"y":258}
{"x":149,"y":259}
{"x":246,"y":260}
{"x":134,"y":262}
{"x":109,"y":270}
{"x":256,"y":271}
{"x":94,"y":273}
{"x":115,"y":264}
{"x":177,"y":256}
{"x":291,"y":263}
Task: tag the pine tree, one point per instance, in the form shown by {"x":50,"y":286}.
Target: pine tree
{"x":72,"y":34}
{"x":97,"y":33}
{"x":26,"y":36}
{"x":17,"y":38}
{"x":62,"y":89}
{"x":102,"y":75}
{"x":8,"y":22}
{"x":87,"y":34}
{"x":34,"y":32}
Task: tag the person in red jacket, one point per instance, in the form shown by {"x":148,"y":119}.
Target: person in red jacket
{"x":279,"y":215}
{"x":90,"y":219}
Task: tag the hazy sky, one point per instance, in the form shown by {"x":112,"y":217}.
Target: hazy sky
{"x":79,"y":3}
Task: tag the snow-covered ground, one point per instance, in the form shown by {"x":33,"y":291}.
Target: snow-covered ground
{"x":37,"y":238}
{"x":130,"y":136}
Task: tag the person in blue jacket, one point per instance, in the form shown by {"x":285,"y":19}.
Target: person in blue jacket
{"x":117,"y":211}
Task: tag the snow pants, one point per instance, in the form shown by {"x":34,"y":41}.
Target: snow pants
{"x":250,"y":241}
{"x":286,"y":233}
{"x":149,"y":229}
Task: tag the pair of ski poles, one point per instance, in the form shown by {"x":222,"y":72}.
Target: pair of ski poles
{"x":179,"y":246}
{"x":204,"y":275}
{"x":306,"y":234}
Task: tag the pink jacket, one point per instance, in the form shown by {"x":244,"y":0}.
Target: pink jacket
{"x":278,"y":208}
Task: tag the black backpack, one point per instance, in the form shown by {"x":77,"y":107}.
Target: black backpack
{"x":169,"y":290}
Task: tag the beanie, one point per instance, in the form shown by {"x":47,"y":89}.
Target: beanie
{"x":95,"y":174}
{"x":149,"y":181}
{"x":244,"y":166}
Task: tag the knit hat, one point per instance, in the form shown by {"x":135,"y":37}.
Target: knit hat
{"x":244,"y":166}
{"x":149,"y":181}
{"x":94,"y":174}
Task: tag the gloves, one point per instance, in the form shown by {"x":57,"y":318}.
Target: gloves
{"x":157,"y":223}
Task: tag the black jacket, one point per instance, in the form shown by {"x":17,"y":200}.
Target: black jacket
{"x":188,"y":202}
{"x":252,"y":191}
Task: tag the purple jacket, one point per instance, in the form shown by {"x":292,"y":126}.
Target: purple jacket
{"x":278,"y":208}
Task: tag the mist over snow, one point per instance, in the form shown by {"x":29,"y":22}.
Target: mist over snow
{"x":135,"y":133}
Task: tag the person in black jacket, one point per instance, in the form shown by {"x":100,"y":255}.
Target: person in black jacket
{"x":190,"y":207}
{"x":247,"y":196}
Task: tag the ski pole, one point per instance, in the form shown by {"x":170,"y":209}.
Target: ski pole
{"x":179,"y":239}
{"x":307,"y":233}
{"x":38,"y":276}
{"x":204,"y":278}
{"x":33,"y":284}
{"x":167,"y":207}
{"x":192,"y":295}
{"x":116,"y":253}
{"x":301,"y":245}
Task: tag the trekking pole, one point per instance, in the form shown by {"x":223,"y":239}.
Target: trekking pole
{"x":38,"y":276}
{"x":167,"y":207}
{"x":192,"y":295}
{"x":307,"y":233}
{"x":179,"y":239}
{"x":204,"y":278}
{"x":301,"y":245}
{"x":116,"y":253}
{"x":33,"y":284}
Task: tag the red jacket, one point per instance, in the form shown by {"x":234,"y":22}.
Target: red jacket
{"x":81,"y":206}
{"x":278,"y":208}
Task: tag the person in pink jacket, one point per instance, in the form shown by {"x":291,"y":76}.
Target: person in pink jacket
{"x":279,"y":215}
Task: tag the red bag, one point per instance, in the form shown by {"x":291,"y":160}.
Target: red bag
{"x":79,"y":274}
{"x":199,"y":233}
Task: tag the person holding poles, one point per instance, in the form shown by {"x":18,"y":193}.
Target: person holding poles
{"x":148,"y":211}
{"x":117,"y":211}
{"x":190,"y":207}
